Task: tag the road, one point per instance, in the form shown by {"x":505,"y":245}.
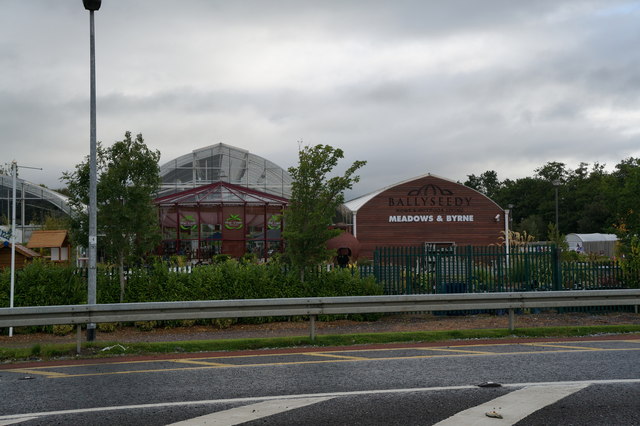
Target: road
{"x":595,"y":382}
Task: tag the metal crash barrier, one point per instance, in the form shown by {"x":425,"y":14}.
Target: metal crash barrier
{"x":312,"y":306}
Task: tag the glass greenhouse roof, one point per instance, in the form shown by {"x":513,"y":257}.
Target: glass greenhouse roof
{"x":220,"y":193}
{"x":223,"y":163}
{"x":38,"y":201}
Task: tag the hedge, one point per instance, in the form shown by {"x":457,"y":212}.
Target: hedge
{"x":44,"y":284}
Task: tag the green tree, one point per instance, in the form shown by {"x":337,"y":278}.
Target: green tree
{"x":551,"y":171}
{"x":626,"y":187}
{"x":532,"y":225}
{"x":314,"y":200}
{"x":487,"y":183}
{"x":128,"y":178}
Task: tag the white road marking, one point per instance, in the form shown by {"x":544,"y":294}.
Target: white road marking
{"x":318,"y":395}
{"x":15,"y":421}
{"x":513,"y":407}
{"x":247,"y":413}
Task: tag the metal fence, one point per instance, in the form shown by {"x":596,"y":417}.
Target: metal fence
{"x":472,"y":269}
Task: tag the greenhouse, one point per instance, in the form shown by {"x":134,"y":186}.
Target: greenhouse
{"x":599,"y":244}
{"x":224,"y":163}
{"x":220,"y":218}
{"x":34,"y":204}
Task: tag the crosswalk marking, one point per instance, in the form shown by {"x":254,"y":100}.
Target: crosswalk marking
{"x":14,"y":418}
{"x":16,"y":421}
{"x":513,"y":406}
{"x":247,"y":413}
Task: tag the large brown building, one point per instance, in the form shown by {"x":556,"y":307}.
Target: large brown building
{"x":423,"y":210}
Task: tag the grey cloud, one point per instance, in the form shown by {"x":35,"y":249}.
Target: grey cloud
{"x":157,"y":64}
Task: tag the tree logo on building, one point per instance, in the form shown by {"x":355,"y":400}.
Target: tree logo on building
{"x":188,"y":223}
{"x":430,"y":188}
{"x":233,"y":222}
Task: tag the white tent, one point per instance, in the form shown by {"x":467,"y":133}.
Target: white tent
{"x":602,"y":244}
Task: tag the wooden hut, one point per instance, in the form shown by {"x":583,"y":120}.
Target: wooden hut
{"x":55,"y":242}
{"x":23,"y":255}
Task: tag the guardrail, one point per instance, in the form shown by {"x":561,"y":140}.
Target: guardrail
{"x":312,"y":306}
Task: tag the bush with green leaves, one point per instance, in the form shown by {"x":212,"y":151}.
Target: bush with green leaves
{"x":44,"y":284}
{"x":631,"y":262}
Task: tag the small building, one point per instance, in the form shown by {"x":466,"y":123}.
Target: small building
{"x":23,"y":255}
{"x":599,"y":244}
{"x":54,"y":243}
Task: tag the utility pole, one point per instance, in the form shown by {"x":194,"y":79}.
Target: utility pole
{"x":92,"y":6}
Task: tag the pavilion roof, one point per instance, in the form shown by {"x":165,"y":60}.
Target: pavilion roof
{"x":220,"y":193}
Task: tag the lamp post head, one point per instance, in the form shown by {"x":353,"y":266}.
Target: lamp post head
{"x":556,"y":182}
{"x":92,"y":5}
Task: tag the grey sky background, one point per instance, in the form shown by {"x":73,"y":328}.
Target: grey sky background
{"x":445,"y":87}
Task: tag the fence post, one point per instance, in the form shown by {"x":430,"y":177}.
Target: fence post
{"x":557,"y":272}
{"x":312,"y":328}
{"x":408,"y":270}
{"x":78,"y":339}
{"x":469,"y":271}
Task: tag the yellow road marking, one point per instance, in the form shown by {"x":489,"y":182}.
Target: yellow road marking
{"x":192,"y":361}
{"x":331,"y":355}
{"x":547,"y":345}
{"x":458,"y":351}
{"x":335,"y":356}
{"x":38,"y":372}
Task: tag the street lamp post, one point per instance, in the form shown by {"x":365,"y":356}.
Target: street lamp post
{"x":14,"y":174}
{"x":507,"y":234}
{"x":92,"y":6}
{"x":556,"y":184}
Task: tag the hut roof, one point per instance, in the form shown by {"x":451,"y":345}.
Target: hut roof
{"x":40,"y":239}
{"x":22,"y":250}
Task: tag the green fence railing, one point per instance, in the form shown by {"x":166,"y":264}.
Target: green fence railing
{"x":473,"y":269}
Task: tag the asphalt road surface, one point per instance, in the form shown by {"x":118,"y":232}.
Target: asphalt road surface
{"x":594,"y":382}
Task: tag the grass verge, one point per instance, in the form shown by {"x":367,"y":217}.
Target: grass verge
{"x":104,"y":349}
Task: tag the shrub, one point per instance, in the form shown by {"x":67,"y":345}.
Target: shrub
{"x":222,"y":323}
{"x":631,"y":262}
{"x":107,"y":327}
{"x":145,"y":325}
{"x":221,"y":258}
{"x":44,"y":284}
{"x":62,"y":329}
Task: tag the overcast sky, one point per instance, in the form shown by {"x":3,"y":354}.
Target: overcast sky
{"x":413,"y":87}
